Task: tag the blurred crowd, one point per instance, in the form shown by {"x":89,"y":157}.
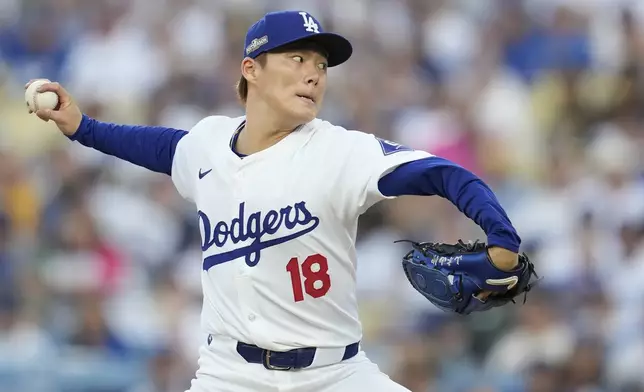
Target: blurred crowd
{"x":543,"y":99}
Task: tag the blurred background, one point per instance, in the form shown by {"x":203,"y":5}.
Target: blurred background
{"x":100,"y":260}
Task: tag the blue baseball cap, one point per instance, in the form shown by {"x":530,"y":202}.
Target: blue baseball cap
{"x":277,"y":29}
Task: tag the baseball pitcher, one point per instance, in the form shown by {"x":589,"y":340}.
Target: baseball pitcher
{"x":278,"y":193}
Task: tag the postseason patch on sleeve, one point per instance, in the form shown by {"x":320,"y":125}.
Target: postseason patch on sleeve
{"x":388,"y":147}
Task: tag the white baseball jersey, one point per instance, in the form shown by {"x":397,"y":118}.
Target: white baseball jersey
{"x":278,"y":229}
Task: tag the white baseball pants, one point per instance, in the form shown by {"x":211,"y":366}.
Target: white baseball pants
{"x":222,"y":369}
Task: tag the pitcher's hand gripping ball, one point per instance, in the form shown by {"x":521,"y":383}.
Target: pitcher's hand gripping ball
{"x":38,"y":101}
{"x":452,"y":276}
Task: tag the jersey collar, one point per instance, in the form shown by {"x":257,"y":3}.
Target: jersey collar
{"x":233,"y":139}
{"x":235,"y":136}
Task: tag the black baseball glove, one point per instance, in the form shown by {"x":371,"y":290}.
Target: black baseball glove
{"x":452,"y":276}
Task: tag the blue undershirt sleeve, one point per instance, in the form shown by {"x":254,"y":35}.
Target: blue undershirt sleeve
{"x":149,"y":147}
{"x":441,"y":177}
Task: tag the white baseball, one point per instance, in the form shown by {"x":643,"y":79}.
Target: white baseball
{"x":36,"y":100}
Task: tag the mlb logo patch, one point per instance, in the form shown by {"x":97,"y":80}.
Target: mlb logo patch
{"x":389,"y":147}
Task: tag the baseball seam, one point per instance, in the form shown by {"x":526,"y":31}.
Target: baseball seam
{"x":34,"y":100}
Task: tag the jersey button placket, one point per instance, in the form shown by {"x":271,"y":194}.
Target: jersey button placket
{"x":246,"y":291}
{"x":238,"y":193}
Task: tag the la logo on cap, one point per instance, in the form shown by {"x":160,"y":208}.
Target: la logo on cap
{"x":309,"y":23}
